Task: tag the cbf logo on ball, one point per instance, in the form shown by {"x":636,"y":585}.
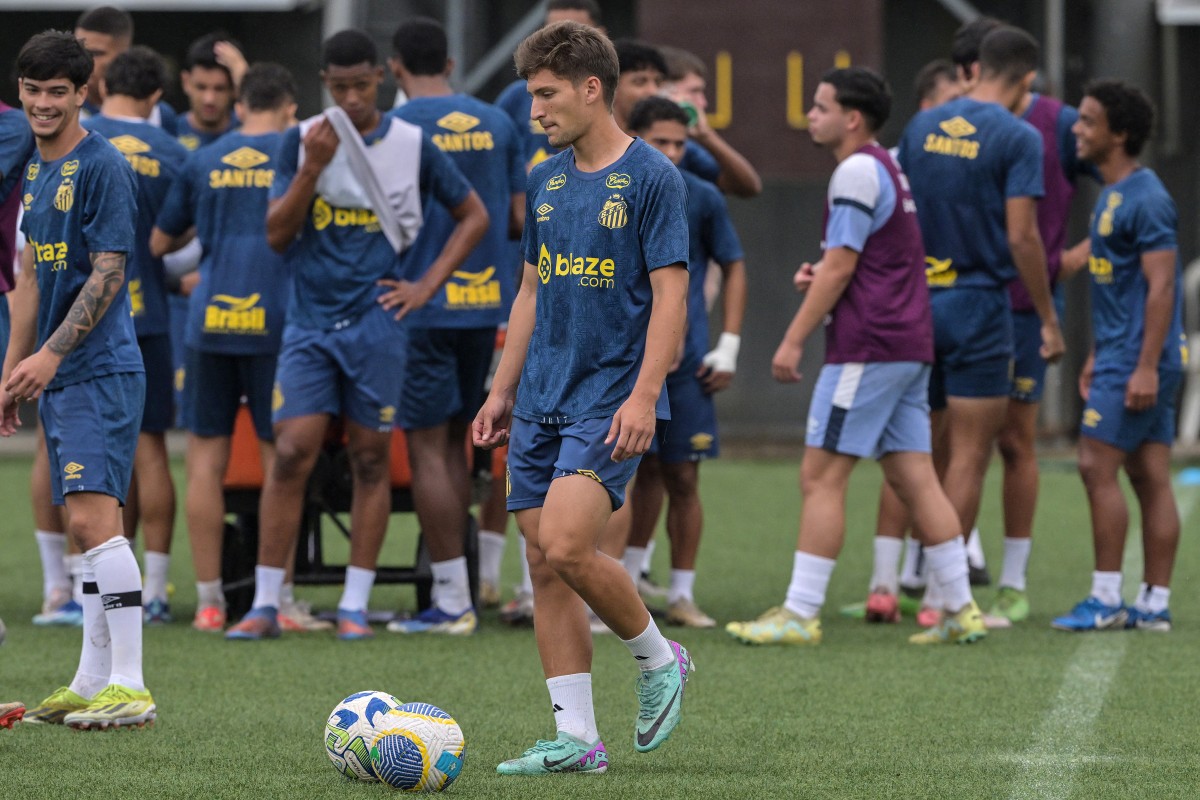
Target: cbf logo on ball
{"x":593,"y":273}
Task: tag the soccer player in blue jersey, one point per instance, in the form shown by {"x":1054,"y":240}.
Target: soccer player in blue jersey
{"x":107,"y":31}
{"x":596,"y":323}
{"x":73,"y":345}
{"x":236,"y":311}
{"x":212,"y":72}
{"x":133,"y":84}
{"x":707,"y":154}
{"x":1132,"y":375}
{"x":976,"y":175}
{"x":673,"y":465}
{"x":515,"y":99}
{"x":16,"y":146}
{"x":871,"y":399}
{"x":345,"y":343}
{"x":452,"y":337}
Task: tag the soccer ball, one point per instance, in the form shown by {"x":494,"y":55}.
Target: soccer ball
{"x":418,"y":748}
{"x":351,"y":729}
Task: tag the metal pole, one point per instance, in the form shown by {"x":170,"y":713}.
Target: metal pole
{"x":1055,"y":45}
{"x":961,"y":9}
{"x":501,"y":54}
{"x":456,"y":34}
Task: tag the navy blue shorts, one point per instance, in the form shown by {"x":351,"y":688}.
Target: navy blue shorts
{"x":447,"y":368}
{"x":973,"y":344}
{"x":215,"y":387}
{"x":1029,"y":368}
{"x":538,"y":453}
{"x":91,"y":432}
{"x":357,"y":370}
{"x":159,"y":412}
{"x":1106,"y":418}
{"x":691,"y":434}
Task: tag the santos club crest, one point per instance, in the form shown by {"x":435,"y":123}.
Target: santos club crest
{"x":615,"y":213}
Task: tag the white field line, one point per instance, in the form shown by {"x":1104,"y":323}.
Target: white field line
{"x":1061,"y":743}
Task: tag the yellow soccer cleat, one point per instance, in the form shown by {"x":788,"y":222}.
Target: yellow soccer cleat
{"x":962,"y":628}
{"x":52,"y":710}
{"x":777,"y":626}
{"x":114,"y":707}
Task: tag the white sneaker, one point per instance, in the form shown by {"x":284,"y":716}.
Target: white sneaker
{"x":296,"y":617}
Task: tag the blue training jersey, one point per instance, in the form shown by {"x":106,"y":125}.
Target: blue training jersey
{"x":481,"y":141}
{"x":711,"y":237}
{"x":517,"y":102}
{"x":595,"y":237}
{"x":699,"y":162}
{"x":75,"y":206}
{"x":341,"y":253}
{"x":156,"y":159}
{"x":16,"y":146}
{"x":194,"y":138}
{"x":1133,"y":216}
{"x":964,"y":159}
{"x":238,"y":306}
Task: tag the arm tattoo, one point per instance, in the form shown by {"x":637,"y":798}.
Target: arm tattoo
{"x":108,"y":274}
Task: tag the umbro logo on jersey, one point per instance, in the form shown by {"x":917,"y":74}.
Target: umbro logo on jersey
{"x":130,"y":145}
{"x":458,"y":122}
{"x":957,"y":127}
{"x":245,"y":158}
{"x":544,"y":212}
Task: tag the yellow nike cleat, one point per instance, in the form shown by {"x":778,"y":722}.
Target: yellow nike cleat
{"x":777,"y":626}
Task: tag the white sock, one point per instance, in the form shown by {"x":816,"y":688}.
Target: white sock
{"x":1106,"y":587}
{"x":287,"y":595}
{"x":948,"y":568}
{"x":451,"y":586}
{"x":157,"y":567}
{"x":1153,"y":599}
{"x":975,"y":550}
{"x":357,"y":591}
{"x":650,"y":648}
{"x":76,"y":566}
{"x":1016,"y":562}
{"x":268,"y":584}
{"x":933,"y":596}
{"x":633,"y":560}
{"x":682,"y":581}
{"x":491,"y":552}
{"x":120,"y":583}
{"x":649,"y":557}
{"x":810,"y":580}
{"x":571,"y":698}
{"x":208,"y":593}
{"x":912,"y":574}
{"x":526,"y":581}
{"x":887,"y":561}
{"x":95,"y":658}
{"x":52,"y":547}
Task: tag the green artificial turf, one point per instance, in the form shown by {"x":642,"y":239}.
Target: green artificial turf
{"x":1030,"y":712}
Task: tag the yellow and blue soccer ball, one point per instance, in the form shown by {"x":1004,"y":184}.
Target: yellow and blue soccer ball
{"x":418,"y":748}
{"x":351,"y":729}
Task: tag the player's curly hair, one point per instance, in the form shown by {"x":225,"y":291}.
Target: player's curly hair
{"x":650,"y":110}
{"x":1128,"y":109}
{"x":573,"y":52}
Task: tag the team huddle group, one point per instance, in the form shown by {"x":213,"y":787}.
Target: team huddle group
{"x":357,"y":265}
